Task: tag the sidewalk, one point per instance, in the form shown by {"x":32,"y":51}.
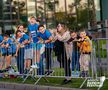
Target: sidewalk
{"x":16,"y":86}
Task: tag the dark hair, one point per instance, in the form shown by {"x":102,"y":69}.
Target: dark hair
{"x":5,"y":35}
{"x":37,"y":20}
{"x":73,"y":32}
{"x":63,"y":25}
{"x":17,"y":32}
{"x":40,"y":26}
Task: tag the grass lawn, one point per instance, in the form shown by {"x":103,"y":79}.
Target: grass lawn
{"x":76,"y":82}
{"x":56,"y":82}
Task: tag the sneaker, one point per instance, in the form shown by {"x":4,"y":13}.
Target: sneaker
{"x":49,"y":72}
{"x":66,"y":82}
{"x":82,"y":74}
{"x":73,"y":73}
{"x":86,"y":74}
{"x":11,"y":71}
{"x":77,"y":74}
{"x":34,"y":66}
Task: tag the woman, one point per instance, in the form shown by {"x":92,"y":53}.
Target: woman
{"x":64,"y":50}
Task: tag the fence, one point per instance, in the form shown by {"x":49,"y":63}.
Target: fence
{"x":53,"y":62}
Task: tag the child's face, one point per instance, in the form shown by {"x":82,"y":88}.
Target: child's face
{"x":5,"y":37}
{"x":83,"y":34}
{"x":21,"y":28}
{"x":19,"y":34}
{"x":42,"y":30}
{"x":73,"y":35}
{"x":32,"y":21}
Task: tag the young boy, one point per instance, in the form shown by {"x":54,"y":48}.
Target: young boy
{"x":85,"y":50}
{"x":33,"y":30}
{"x":46,"y":37}
{"x":7,"y":49}
{"x":21,"y":47}
{"x":75,"y":54}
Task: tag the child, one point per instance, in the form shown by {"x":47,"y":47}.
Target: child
{"x":85,"y":50}
{"x":7,"y":49}
{"x":75,"y":54}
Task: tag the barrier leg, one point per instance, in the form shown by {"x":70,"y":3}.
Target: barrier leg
{"x":28,"y":74}
{"x":83,"y":82}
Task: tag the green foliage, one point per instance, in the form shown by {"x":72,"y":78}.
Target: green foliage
{"x":71,"y":21}
{"x":50,"y":5}
{"x":60,"y":17}
{"x":80,"y":20}
{"x":83,"y":17}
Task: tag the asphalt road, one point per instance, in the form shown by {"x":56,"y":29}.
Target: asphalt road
{"x":5,"y":89}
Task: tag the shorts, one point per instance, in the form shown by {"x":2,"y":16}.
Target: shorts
{"x":28,"y":53}
{"x":7,"y":53}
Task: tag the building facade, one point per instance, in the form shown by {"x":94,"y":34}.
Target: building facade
{"x":14,"y":12}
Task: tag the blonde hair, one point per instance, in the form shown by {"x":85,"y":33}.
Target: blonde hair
{"x":19,"y":26}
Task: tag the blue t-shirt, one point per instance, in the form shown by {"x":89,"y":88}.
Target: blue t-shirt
{"x":25,"y":37}
{"x":9,"y":49}
{"x":45,"y":36}
{"x":33,"y":31}
{"x":1,"y":38}
{"x":9,"y":41}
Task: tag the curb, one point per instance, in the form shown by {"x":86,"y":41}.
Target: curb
{"x":16,"y":86}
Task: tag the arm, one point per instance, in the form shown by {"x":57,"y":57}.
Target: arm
{"x":17,"y":49}
{"x":30,"y":37}
{"x":7,"y":45}
{"x":9,"y":42}
{"x":63,"y":37}
{"x":70,"y":40}
{"x":25,"y":39}
{"x":49,"y":40}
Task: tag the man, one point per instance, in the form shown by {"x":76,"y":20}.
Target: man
{"x":46,"y":37}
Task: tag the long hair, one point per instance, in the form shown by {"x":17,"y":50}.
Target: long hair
{"x":64,"y":28}
{"x":19,"y":26}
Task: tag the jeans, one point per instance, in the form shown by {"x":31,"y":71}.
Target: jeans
{"x":40,"y":71}
{"x":75,"y":61}
{"x":20,"y":60}
{"x":48,"y":56}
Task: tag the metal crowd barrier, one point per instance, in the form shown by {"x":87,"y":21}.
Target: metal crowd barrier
{"x":100,"y":57}
{"x":53,"y":61}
